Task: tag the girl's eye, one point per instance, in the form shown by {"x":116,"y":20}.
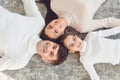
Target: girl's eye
{"x":71,"y":45}
{"x":74,"y":38}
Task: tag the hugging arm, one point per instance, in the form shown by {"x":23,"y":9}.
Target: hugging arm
{"x":108,"y":32}
{"x":7,"y":63}
{"x":31,"y":8}
{"x":91,"y":70}
{"x":102,"y":23}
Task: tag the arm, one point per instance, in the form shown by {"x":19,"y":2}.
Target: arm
{"x":102,"y":23}
{"x":7,"y":63}
{"x":108,"y":32}
{"x":91,"y":70}
{"x":31,"y":8}
{"x":3,"y":11}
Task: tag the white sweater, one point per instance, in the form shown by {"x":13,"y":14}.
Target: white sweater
{"x":19,"y":36}
{"x":79,"y":14}
{"x":99,"y":49}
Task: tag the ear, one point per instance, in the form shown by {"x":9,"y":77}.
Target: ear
{"x":44,"y":59}
{"x":63,"y":32}
{"x":70,"y":51}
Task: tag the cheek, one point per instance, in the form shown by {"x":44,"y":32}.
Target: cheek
{"x":65,"y":44}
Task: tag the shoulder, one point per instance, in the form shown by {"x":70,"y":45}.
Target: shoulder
{"x":89,"y":35}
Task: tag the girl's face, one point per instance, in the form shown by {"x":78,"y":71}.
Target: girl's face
{"x":73,"y":43}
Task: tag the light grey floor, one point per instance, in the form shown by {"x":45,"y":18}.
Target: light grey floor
{"x":71,"y":69}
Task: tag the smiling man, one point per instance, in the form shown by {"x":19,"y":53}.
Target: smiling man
{"x":51,"y":52}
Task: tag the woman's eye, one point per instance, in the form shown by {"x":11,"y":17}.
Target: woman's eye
{"x":49,"y":27}
{"x":56,"y":32}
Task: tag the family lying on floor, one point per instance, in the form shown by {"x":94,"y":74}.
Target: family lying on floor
{"x":23,"y":36}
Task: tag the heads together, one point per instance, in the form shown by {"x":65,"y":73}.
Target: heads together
{"x":52,"y":52}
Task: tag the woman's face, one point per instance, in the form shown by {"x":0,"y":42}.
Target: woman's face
{"x":73,"y":43}
{"x":55,"y":28}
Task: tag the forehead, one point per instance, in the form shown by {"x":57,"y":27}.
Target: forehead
{"x":68,"y":39}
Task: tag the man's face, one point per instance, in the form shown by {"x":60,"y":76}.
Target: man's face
{"x":55,"y":28}
{"x":48,"y":50}
{"x":73,"y":43}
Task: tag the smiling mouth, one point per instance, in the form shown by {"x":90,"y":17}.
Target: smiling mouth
{"x":79,"y":44}
{"x":58,"y":24}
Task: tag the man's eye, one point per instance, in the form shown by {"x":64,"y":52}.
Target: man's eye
{"x":51,"y":54}
{"x":54,"y":47}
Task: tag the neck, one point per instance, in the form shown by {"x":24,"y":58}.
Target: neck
{"x":64,"y":20}
{"x":83,"y":47}
{"x":37,"y":46}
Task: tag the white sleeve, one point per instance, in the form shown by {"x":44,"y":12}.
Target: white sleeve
{"x":102,"y":23}
{"x":108,"y":32}
{"x":7,"y":63}
{"x":31,"y":8}
{"x":4,"y":11}
{"x":91,"y":70}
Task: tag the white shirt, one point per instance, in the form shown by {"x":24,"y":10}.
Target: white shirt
{"x":99,"y":49}
{"x":79,"y":14}
{"x":19,"y":36}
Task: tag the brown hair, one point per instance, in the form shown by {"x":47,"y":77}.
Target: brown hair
{"x":62,"y":55}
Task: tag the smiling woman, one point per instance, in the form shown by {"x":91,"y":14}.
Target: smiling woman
{"x":56,"y":28}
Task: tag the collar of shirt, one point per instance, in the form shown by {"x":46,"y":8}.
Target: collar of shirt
{"x":33,"y":42}
{"x":84,"y":47}
{"x":67,"y":17}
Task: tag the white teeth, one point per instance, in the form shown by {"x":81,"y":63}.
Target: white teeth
{"x":58,"y":24}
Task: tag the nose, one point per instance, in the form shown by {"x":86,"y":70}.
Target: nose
{"x":49,"y":49}
{"x":77,"y":43}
